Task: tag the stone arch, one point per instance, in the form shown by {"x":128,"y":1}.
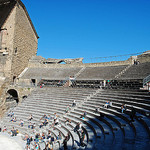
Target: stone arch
{"x":62,"y":62}
{"x":24,"y":97}
{"x":12,"y":94}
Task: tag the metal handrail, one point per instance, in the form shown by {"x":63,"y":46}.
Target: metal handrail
{"x":146,"y":80}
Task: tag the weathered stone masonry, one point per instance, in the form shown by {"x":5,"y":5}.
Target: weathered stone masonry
{"x":25,"y":42}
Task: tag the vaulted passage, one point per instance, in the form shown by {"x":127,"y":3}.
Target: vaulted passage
{"x":12,"y":95}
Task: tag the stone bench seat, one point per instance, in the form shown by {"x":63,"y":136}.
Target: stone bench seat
{"x":90,"y":130}
{"x":123,"y":120}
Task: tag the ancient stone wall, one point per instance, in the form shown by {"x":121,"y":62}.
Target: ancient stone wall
{"x":7,"y":41}
{"x":38,"y":62}
{"x":144,"y":58}
{"x":25,"y":42}
{"x":34,"y":64}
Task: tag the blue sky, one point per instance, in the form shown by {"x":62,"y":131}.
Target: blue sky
{"x":90,"y":28}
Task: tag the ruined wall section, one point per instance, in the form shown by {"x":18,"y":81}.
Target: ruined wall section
{"x":25,"y":42}
{"x":38,"y":62}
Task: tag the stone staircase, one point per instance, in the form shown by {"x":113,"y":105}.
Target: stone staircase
{"x":122,"y":72}
{"x":77,"y":74}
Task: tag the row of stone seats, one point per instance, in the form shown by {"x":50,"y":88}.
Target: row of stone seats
{"x":50,"y":73}
{"x":92,"y":76}
{"x":140,"y":107}
{"x":117,"y":106}
{"x":114,"y":130}
{"x":139,"y":71}
{"x":47,"y":102}
{"x":101,"y":73}
{"x":140,"y":102}
{"x":94,"y":73}
{"x":99,"y":101}
{"x":128,"y":129}
{"x":126,"y":84}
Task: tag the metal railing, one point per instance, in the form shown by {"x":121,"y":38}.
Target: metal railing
{"x":146,"y":80}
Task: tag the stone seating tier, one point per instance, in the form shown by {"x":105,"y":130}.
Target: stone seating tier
{"x":114,"y":130}
{"x":101,"y":73}
{"x":139,"y":71}
{"x":50,"y":73}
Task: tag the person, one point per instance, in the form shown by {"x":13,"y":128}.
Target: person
{"x":37,"y":137}
{"x":13,"y":133}
{"x":52,"y":138}
{"x":43,"y":117}
{"x":28,"y":141}
{"x":71,"y":80}
{"x":60,"y":83}
{"x":21,"y":123}
{"x":49,"y":117}
{"x":49,"y":135}
{"x":17,"y":131}
{"x":12,"y":114}
{"x":107,"y":104}
{"x":132,"y":114}
{"x":36,"y":147}
{"x":67,"y":121}
{"x":27,"y":147}
{"x":9,"y":114}
{"x":135,"y":62}
{"x":49,"y":146}
{"x":30,"y":125}
{"x":74,"y":103}
{"x":4,"y":129}
{"x":55,"y":116}
{"x":25,"y":137}
{"x":67,"y":137}
{"x":56,"y":122}
{"x":83,"y":115}
{"x":33,"y":126}
{"x":77,"y":127}
{"x":31,"y":139}
{"x":41,"y":125}
{"x":30,"y":118}
{"x":45,"y":122}
{"x":82,"y":137}
{"x":43,"y":136}
{"x":123,"y":108}
{"x":110,"y":104}
{"x":96,"y":109}
{"x":13,"y":119}
{"x":67,"y":109}
{"x":43,"y":85}
{"x":59,"y":137}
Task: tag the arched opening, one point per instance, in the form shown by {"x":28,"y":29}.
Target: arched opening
{"x":12,"y":95}
{"x":24,"y":97}
{"x":33,"y":82}
{"x":62,"y":62}
{"x":14,"y":79}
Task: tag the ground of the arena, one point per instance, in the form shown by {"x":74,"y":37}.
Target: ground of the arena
{"x":10,"y":143}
